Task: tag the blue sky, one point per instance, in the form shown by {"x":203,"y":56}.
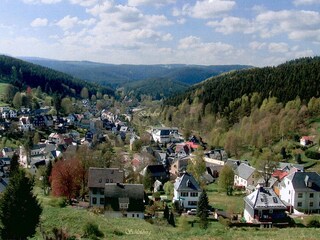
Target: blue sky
{"x":209,"y":32}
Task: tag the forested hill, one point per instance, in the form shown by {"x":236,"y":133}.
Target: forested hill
{"x":118,"y":75}
{"x":22,"y":74}
{"x":297,"y":78}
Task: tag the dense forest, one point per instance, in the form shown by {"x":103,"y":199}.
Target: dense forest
{"x":118,"y":75}
{"x":255,"y":111}
{"x":285,"y":82}
{"x":157,"y":89}
{"x":22,"y":74}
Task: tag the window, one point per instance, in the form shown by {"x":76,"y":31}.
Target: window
{"x":192,"y":203}
{"x":101,"y":190}
{"x":299,"y":204}
{"x":184,"y":194}
{"x":137,"y":214}
{"x":311,"y":195}
{"x":193,"y":194}
{"x":102,"y":201}
{"x":94,"y":200}
{"x":132,"y":214}
{"x":311,"y":204}
{"x":123,"y":205}
{"x":94,"y":191}
{"x":111,"y":180}
{"x":300,"y":195}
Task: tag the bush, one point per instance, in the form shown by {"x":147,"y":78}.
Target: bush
{"x":92,"y":231}
{"x":224,"y":221}
{"x":312,"y":154}
{"x":313,"y":223}
{"x":58,"y":202}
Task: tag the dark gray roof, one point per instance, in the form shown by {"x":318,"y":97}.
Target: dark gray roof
{"x":305,"y":181}
{"x":186,"y":183}
{"x":289,"y":166}
{"x":244,"y":171}
{"x":120,"y":190}
{"x":98,"y":177}
{"x":264,"y":198}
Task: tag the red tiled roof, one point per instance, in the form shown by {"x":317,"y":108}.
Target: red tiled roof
{"x":279,"y":174}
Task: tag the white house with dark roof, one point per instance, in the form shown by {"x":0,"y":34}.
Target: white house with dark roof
{"x":245,"y":176}
{"x":97,"y":178}
{"x":301,"y":190}
{"x":165,"y":134}
{"x":263,"y":205}
{"x":124,"y":200}
{"x":186,"y":191}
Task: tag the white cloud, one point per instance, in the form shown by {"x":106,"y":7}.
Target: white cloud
{"x":85,"y":3}
{"x":181,"y":21}
{"x":41,"y":1}
{"x":39,"y":22}
{"x":230,"y":25}
{"x":67,"y":22}
{"x":296,"y":24}
{"x":305,"y":2}
{"x":205,"y":9}
{"x":157,"y":3}
{"x":257,"y":45}
{"x":278,"y":47}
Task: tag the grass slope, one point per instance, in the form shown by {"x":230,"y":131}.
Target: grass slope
{"x":73,"y":220}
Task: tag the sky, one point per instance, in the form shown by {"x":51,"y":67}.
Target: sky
{"x":205,"y":32}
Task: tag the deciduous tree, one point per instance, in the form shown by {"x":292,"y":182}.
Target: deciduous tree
{"x":226,"y":179}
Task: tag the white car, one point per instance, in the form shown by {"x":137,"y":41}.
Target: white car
{"x":192,"y":212}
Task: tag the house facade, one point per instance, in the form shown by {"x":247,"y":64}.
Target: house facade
{"x":301,"y":190}
{"x":97,"y":178}
{"x":186,"y":191}
{"x":124,"y":200}
{"x":165,"y":135}
{"x":263,"y":205}
{"x":245,"y":176}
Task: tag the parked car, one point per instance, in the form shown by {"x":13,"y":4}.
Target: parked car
{"x":192,"y":212}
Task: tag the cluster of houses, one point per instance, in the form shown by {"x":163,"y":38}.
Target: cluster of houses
{"x":287,"y":188}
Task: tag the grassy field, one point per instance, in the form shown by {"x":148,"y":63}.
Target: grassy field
{"x":73,"y":220}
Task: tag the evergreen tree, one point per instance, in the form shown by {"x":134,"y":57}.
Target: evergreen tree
{"x":171,"y":220}
{"x":147,"y":181}
{"x":19,"y":209}
{"x":166,"y":212}
{"x":14,"y":164}
{"x":202,"y":210}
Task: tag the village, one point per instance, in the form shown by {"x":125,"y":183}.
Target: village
{"x":158,"y":172}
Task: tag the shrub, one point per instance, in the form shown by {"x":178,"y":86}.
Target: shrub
{"x":312,"y":154}
{"x":224,"y":221}
{"x":91,"y":230}
{"x":58,"y":202}
{"x":313,"y":222}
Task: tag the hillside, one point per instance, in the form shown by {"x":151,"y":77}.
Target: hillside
{"x":254,"y":113}
{"x":156,"y":88}
{"x":117,"y":75}
{"x":285,"y":82}
{"x":22,"y":74}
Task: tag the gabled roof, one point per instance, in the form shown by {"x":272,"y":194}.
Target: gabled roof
{"x":186,"y":183}
{"x":264,"y":198}
{"x":156,"y":169}
{"x":124,"y":190}
{"x":305,"y":181}
{"x":289,"y":166}
{"x":98,"y":177}
{"x":244,"y":171}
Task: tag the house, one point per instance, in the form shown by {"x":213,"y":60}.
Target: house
{"x":245,"y":176}
{"x":38,"y":121}
{"x":97,"y":178}
{"x":157,"y":172}
{"x":7,"y":152}
{"x":301,"y":190}
{"x":9,"y":114}
{"x":186,"y":191}
{"x":306,"y":140}
{"x":25,"y":124}
{"x":165,"y":135}
{"x":124,"y":200}
{"x":48,"y":120}
{"x":179,"y":165}
{"x":290,"y":167}
{"x":263,"y":205}
{"x":55,"y":138}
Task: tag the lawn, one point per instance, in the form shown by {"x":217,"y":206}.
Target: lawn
{"x":220,"y":199}
{"x":73,"y":220}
